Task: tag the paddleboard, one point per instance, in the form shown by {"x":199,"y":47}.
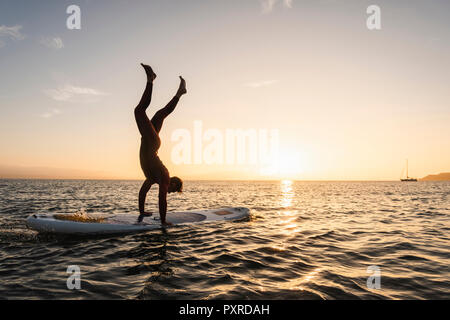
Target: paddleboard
{"x":127,"y":223}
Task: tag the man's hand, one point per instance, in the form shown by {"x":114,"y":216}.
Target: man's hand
{"x":166,"y":224}
{"x":144,"y":215}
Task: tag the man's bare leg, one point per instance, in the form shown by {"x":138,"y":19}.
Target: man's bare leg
{"x":145,"y":126}
{"x":147,"y":132}
{"x":158,"y":118}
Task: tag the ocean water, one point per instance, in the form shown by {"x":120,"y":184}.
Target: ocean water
{"x":304,"y":240}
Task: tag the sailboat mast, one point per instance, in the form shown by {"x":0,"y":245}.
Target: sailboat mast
{"x":407,"y":173}
{"x":408,"y":179}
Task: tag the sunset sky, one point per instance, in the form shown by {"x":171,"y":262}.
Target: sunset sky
{"x":348,"y":103}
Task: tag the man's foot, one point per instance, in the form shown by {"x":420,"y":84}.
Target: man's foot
{"x":182,"y":89}
{"x":149,"y":71}
{"x":143,"y":215}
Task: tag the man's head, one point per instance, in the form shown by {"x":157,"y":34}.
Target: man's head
{"x":175,"y":185}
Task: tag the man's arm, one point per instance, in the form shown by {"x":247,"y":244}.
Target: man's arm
{"x":143,"y":194}
{"x":163,"y":189}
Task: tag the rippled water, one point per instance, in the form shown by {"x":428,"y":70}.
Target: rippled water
{"x":304,"y":240}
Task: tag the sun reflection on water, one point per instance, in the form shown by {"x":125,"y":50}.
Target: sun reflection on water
{"x":298,"y":284}
{"x":307,"y":278}
{"x":287,"y":193}
{"x":289,"y":223}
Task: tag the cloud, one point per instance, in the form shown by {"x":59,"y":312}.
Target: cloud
{"x":260,"y":84}
{"x":51,"y":113}
{"x":12,"y":33}
{"x":268,"y":5}
{"x":53,"y":43}
{"x":69,"y":93}
{"x":288,"y":3}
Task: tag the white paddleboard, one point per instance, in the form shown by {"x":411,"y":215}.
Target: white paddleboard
{"x":127,"y":223}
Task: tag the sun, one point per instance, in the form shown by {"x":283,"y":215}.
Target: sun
{"x":289,"y":165}
{"x":285,"y":166}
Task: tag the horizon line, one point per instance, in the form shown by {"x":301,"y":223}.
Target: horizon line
{"x":206,"y":180}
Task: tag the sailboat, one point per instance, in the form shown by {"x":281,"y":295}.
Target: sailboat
{"x":408,"y":179}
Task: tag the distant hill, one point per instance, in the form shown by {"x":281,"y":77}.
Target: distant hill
{"x":23,"y":172}
{"x":437,"y":177}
